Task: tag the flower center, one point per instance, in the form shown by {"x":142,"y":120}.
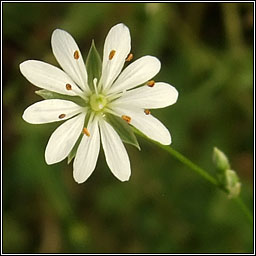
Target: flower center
{"x":98,"y":102}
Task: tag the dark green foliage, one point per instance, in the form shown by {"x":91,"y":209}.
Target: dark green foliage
{"x":206,"y":51}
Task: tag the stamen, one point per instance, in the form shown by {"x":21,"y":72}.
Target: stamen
{"x":147,"y":112}
{"x":151,"y":83}
{"x":130,"y":57}
{"x":61,"y":116}
{"x":86,"y":132}
{"x":76,"y":55}
{"x":114,"y":96}
{"x":126,"y":118}
{"x":95,"y":80}
{"x":111,"y":54}
{"x":68,"y":87}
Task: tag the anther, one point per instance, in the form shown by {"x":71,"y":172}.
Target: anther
{"x":68,"y":87}
{"x":86,"y":132}
{"x":111,"y":54}
{"x":147,"y":112}
{"x":61,"y":116}
{"x":151,"y":83}
{"x":126,"y":118}
{"x":129,"y":57}
{"x":76,"y":55}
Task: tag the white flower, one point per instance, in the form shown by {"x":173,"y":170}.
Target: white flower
{"x":113,"y":93}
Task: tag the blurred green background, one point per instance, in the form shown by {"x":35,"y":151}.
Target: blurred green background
{"x":206,"y":51}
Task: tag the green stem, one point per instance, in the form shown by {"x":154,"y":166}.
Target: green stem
{"x":184,"y":160}
{"x":190,"y":164}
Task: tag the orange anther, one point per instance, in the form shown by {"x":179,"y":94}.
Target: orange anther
{"x":130,"y":57}
{"x":147,"y":112}
{"x":76,"y":55}
{"x":151,"y":83}
{"x":112,"y":54}
{"x":126,"y":118}
{"x":61,"y":116}
{"x":68,"y":87}
{"x":86,"y":132}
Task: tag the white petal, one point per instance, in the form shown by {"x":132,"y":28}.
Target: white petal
{"x":64,"y":48}
{"x":87,"y":154}
{"x":49,"y":77}
{"x":137,"y":73}
{"x":52,"y":110}
{"x":118,"y":40}
{"x":147,"y":124}
{"x":115,"y":152}
{"x":159,"y":96}
{"x":63,"y":139}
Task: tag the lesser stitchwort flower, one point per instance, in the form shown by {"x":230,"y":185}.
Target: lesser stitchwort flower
{"x":110,"y":95}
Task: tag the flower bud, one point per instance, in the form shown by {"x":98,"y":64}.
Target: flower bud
{"x":220,"y":160}
{"x":232,"y":183}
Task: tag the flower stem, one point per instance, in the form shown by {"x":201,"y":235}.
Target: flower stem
{"x":190,"y":164}
{"x":203,"y":173}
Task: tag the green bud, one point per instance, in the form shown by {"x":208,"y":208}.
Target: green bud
{"x":220,"y":160}
{"x":232,"y":183}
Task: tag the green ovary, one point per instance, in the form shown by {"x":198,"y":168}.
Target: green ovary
{"x":98,"y":102}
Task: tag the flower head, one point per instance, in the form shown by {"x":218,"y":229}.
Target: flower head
{"x":98,"y":101}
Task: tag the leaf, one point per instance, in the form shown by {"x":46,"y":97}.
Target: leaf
{"x":72,"y":153}
{"x":123,"y":129}
{"x":93,"y":65}
{"x":45,"y":94}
